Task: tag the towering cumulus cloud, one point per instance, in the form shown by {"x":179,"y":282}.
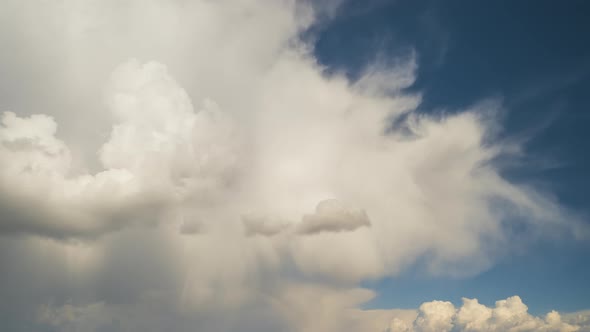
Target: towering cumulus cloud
{"x":188,"y":165}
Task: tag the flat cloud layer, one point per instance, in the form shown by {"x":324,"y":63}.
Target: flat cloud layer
{"x":192,"y":159}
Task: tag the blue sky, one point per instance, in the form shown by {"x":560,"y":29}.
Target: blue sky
{"x":533,"y":57}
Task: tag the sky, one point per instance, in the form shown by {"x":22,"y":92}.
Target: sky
{"x":284,"y":165}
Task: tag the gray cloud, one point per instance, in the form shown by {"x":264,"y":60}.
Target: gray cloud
{"x":507,"y":315}
{"x":259,"y":225}
{"x":332,"y":216}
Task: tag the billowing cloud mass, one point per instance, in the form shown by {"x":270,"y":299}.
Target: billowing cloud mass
{"x":508,"y":315}
{"x":176,"y":163}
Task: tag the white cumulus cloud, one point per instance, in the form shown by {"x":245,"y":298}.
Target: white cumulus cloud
{"x":510,"y":314}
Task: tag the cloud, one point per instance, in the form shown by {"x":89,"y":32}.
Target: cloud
{"x":159,"y":154}
{"x":435,"y":316}
{"x":37,"y":197}
{"x":331,"y":310}
{"x":580,"y":318}
{"x":68,"y":317}
{"x":507,"y":315}
{"x":332,"y":216}
{"x":148,"y":121}
{"x":261,"y":225}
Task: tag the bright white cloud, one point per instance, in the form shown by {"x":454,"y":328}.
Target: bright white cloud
{"x":508,"y":315}
{"x":435,"y":316}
